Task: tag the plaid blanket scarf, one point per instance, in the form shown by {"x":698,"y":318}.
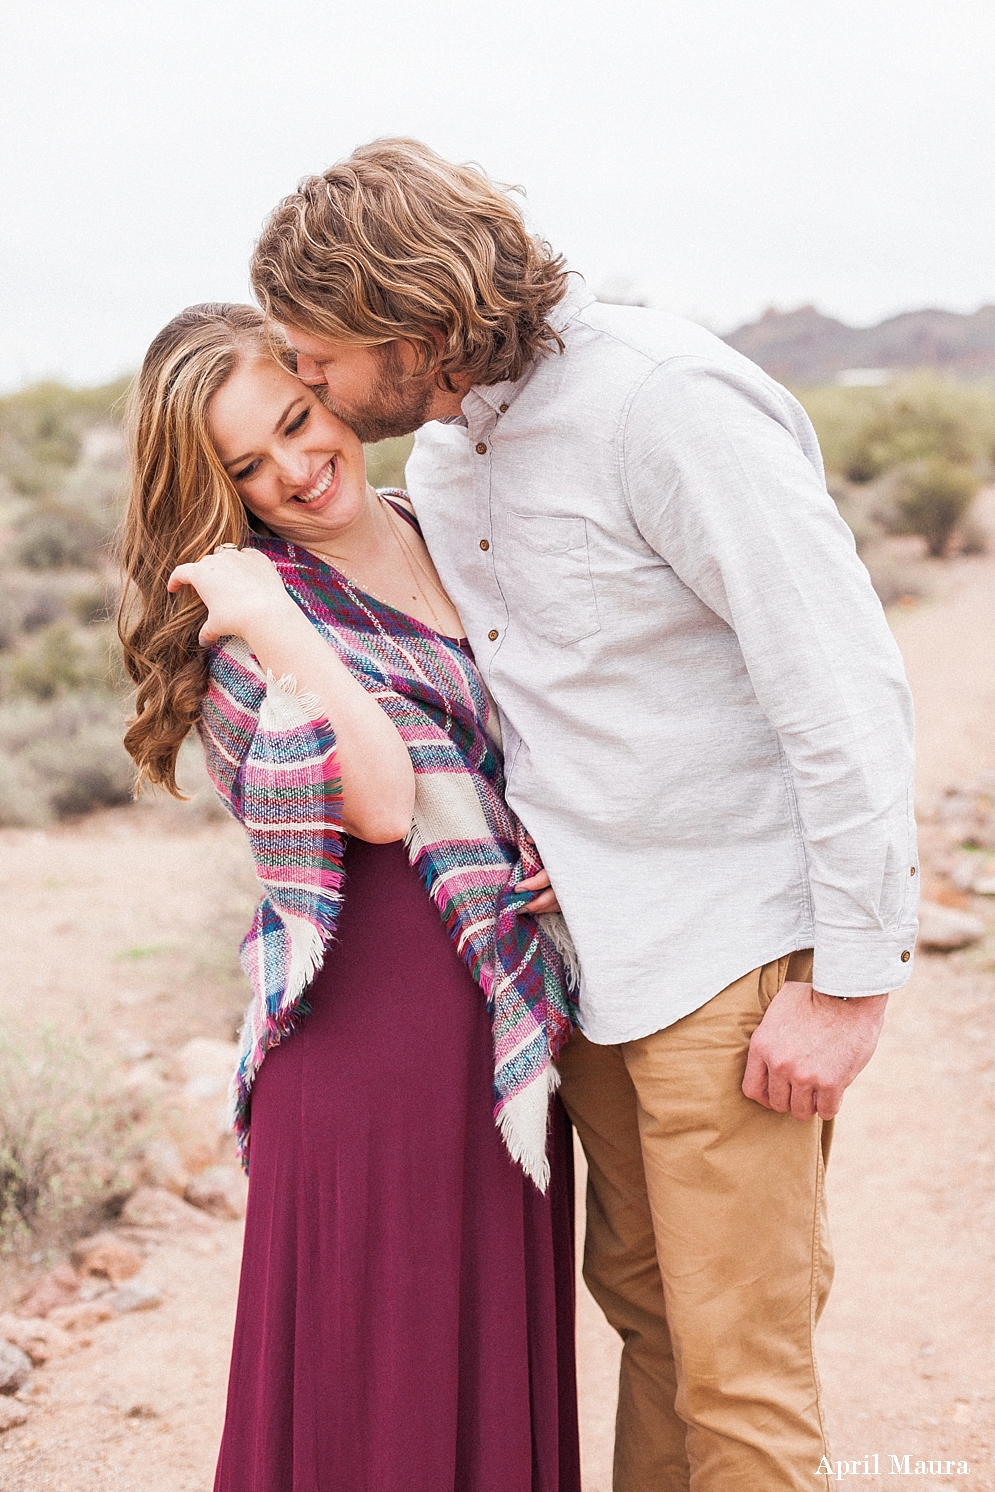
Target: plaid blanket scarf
{"x":272,"y":759}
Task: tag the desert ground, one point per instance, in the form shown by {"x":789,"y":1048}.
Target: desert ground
{"x":124,"y":926}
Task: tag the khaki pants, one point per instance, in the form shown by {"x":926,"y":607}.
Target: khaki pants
{"x":707,"y":1250}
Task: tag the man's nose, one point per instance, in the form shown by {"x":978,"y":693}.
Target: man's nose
{"x":308,"y":371}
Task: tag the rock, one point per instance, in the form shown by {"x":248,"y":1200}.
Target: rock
{"x":154,"y":1207}
{"x":84,"y":1315}
{"x":205,"y":1067}
{"x":57,"y":1288}
{"x":11,"y":1415}
{"x":15,"y":1368}
{"x":40,"y":1338}
{"x":163,"y":1166}
{"x":108,"y":1255}
{"x":944,"y":929}
{"x":220,"y":1190}
{"x":135,"y":1297}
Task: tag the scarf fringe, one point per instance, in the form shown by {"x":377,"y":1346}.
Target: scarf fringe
{"x":524,"y":1121}
{"x":559,"y":935}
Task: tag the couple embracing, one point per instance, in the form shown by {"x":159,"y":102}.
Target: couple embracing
{"x":578,"y":780}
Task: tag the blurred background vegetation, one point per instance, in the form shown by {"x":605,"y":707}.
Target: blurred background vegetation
{"x":905,"y":462}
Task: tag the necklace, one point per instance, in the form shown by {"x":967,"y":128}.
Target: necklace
{"x":421,"y":590}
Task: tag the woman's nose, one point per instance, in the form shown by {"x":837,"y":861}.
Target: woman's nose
{"x":295,"y":469}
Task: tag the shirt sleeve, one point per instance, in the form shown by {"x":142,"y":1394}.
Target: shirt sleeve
{"x":725,"y":482}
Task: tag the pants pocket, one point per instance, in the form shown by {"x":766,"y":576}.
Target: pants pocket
{"x":795,"y":966}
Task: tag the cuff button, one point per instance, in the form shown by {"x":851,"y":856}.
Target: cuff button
{"x":906,"y":956}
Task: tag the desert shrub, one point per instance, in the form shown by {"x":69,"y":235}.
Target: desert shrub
{"x":56,"y":537}
{"x":386,"y":460}
{"x":93,"y":605}
{"x":866,"y":431}
{"x":60,"y":658}
{"x":42,"y":427}
{"x":62,"y":758}
{"x":65,"y":1138}
{"x":931,"y":499}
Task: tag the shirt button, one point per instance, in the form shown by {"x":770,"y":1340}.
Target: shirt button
{"x":493,"y":635}
{"x":503,"y":408}
{"x":486,"y":544}
{"x":906,"y":956}
{"x":481,"y":448}
{"x":912,"y":870}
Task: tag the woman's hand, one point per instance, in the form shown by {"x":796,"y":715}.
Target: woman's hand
{"x":241,"y":588}
{"x":246,"y":598}
{"x":546,"y":900}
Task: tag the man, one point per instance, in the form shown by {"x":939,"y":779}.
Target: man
{"x":707,"y":730}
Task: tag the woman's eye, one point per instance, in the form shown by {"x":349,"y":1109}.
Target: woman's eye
{"x":296,"y":425}
{"x":247,"y":471}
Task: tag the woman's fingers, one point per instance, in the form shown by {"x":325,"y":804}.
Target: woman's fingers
{"x":544,"y":902}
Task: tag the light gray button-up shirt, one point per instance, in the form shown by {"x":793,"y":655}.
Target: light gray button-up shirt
{"x":706,"y":723}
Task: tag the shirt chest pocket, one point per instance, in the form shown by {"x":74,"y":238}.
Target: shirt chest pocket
{"x":546,"y":577}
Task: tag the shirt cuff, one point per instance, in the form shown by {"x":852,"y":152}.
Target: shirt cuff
{"x":859,"y":964}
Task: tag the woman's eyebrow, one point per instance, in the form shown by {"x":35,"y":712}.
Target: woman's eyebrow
{"x":237,"y":460}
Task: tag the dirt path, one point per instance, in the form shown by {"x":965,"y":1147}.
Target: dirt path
{"x":125,"y":926}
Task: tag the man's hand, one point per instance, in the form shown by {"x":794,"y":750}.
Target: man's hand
{"x":808,"y":1049}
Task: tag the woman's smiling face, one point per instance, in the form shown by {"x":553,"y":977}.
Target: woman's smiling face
{"x":294,"y":464}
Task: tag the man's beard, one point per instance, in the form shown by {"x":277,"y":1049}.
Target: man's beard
{"x":398,"y":404}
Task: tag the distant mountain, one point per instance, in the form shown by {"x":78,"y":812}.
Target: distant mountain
{"x":805,"y":347}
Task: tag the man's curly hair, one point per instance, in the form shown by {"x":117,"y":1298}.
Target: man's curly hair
{"x":397,"y":243}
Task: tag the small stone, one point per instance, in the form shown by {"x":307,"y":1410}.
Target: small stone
{"x":41,"y":1338}
{"x":163,"y":1166}
{"x":84,"y":1315}
{"x":58,"y":1287}
{"x":220,"y":1190}
{"x":205,"y":1066}
{"x":15,"y":1367}
{"x":135,"y":1297}
{"x":11,"y":1415}
{"x":944,"y":929}
{"x":108,"y":1255}
{"x":154,"y":1207}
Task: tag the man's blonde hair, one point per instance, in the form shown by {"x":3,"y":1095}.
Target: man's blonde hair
{"x":397,"y":243}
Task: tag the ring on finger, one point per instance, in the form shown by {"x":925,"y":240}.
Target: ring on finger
{"x":218,"y":548}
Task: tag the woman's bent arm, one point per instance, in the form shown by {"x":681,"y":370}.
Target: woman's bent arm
{"x":245,"y":597}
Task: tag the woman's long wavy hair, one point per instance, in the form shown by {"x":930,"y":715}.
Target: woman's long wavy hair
{"x":397,"y":243}
{"x":181,"y":504}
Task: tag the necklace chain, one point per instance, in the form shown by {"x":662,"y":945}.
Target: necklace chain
{"x":421,"y":590}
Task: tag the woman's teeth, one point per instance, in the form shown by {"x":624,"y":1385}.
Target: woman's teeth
{"x":320,"y":487}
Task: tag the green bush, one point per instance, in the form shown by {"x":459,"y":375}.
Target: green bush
{"x":62,"y":758}
{"x":41,"y":430}
{"x":56,"y":537}
{"x":59,"y":658}
{"x":931,"y":499}
{"x":65,"y":1139}
{"x":385,"y":461}
{"x":865,"y":432}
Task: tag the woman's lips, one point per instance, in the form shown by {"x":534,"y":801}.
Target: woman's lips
{"x":321,"y":486}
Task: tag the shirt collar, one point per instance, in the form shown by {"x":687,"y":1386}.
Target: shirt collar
{"x":498,"y":397}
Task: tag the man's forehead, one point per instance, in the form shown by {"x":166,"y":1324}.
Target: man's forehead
{"x":316,"y":345}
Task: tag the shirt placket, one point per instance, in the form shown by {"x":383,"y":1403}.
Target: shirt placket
{"x":481,"y":423}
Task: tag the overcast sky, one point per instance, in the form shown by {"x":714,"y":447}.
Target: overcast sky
{"x":720,"y":155}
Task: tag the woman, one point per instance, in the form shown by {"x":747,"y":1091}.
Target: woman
{"x":405,"y":1308}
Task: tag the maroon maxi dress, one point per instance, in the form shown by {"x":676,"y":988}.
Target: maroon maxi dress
{"x":405,"y":1314}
